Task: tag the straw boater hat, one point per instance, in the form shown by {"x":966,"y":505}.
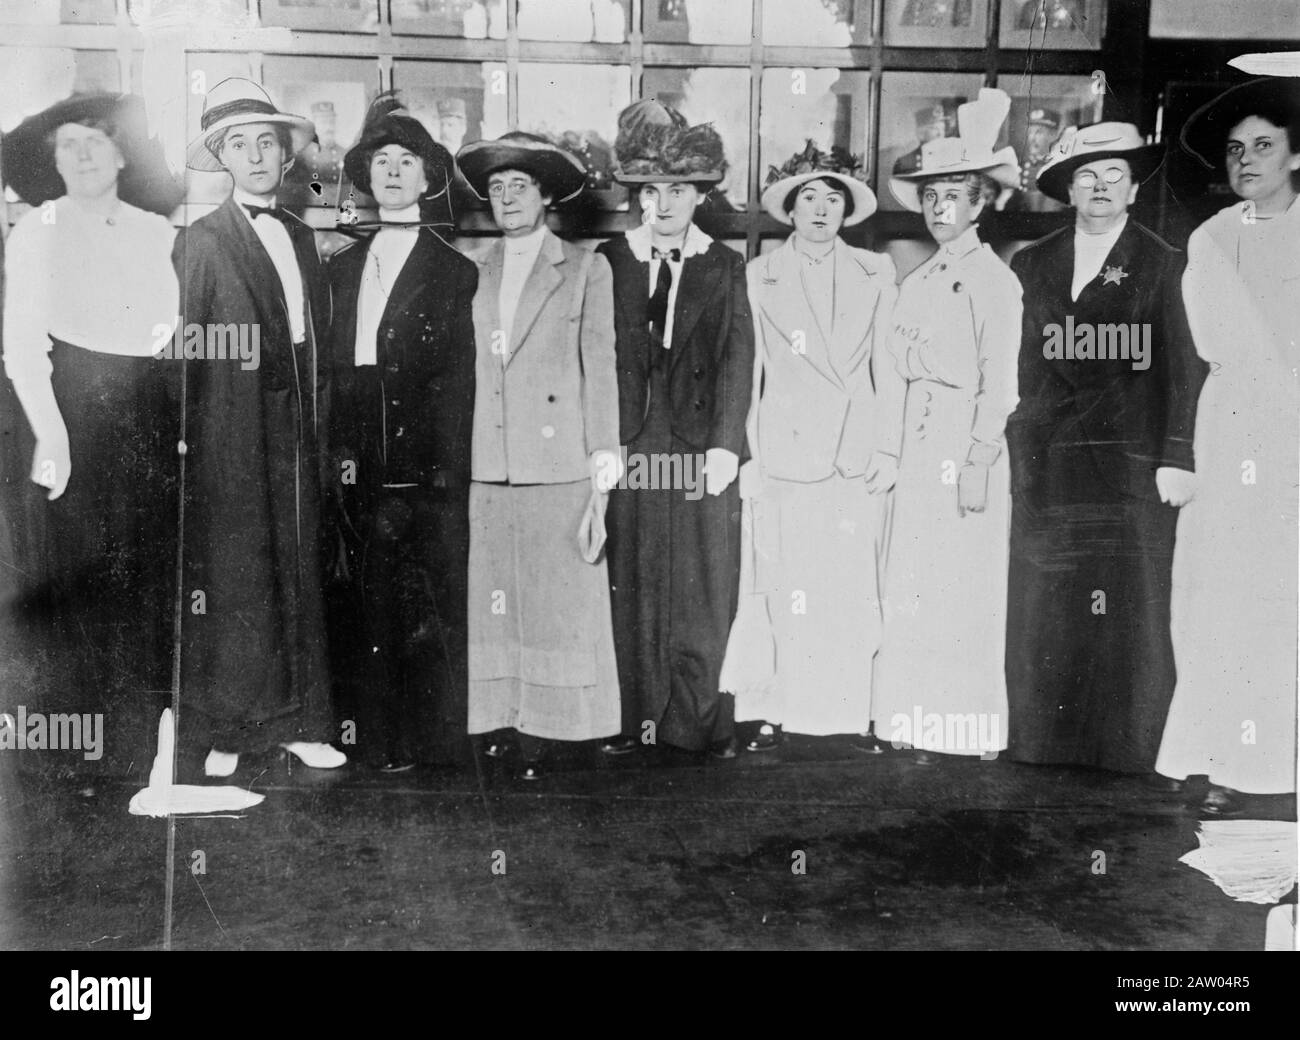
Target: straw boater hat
{"x":655,"y":146}
{"x":560,"y":173}
{"x":811,"y":164}
{"x":1081,"y":145}
{"x":389,"y":122}
{"x":971,"y":151}
{"x":237,"y":102}
{"x":145,"y":182}
{"x":1206,"y":131}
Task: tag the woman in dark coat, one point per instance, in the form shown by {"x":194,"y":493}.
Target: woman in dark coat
{"x":685,"y":343}
{"x":402,"y":355}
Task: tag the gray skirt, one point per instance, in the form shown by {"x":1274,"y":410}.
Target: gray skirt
{"x":541,"y":643}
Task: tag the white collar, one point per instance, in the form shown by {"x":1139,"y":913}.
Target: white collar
{"x":247,"y":198}
{"x":520,"y":245}
{"x":640,"y":240}
{"x":966,"y":242}
{"x":1105,"y":236}
{"x":406,"y":215}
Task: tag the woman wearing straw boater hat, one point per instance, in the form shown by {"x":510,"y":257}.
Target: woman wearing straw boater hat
{"x":955,"y":339}
{"x":402,"y":357}
{"x":1234,"y":608}
{"x":824,"y":440}
{"x":686,"y":355}
{"x":1101,"y":459}
{"x":253,"y":656}
{"x":544,"y":456}
{"x":90,"y":295}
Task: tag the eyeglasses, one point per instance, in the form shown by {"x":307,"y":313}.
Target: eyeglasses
{"x":1087,"y":178}
{"x":515,"y":188}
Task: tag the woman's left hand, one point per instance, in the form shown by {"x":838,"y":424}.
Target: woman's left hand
{"x":972,"y":488}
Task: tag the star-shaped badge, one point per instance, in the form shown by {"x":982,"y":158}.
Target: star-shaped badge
{"x":1113,"y":275}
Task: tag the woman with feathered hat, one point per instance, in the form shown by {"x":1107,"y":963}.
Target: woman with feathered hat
{"x":824,"y":439}
{"x":402,"y":352}
{"x":956,"y":340}
{"x":1233,"y":715}
{"x":685,"y":368}
{"x":90,"y":296}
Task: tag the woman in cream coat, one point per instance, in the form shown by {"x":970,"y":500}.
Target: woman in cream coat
{"x":824,"y":439}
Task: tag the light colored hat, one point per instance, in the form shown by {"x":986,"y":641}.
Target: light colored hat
{"x":971,"y":151}
{"x":237,"y":102}
{"x":810,"y":165}
{"x":1081,"y":145}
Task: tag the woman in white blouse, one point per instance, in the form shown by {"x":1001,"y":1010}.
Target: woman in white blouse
{"x":90,"y":297}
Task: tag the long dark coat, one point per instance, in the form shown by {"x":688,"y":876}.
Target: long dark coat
{"x":675,"y":559}
{"x":1090,"y":669}
{"x":405,"y":419}
{"x":253,"y":664}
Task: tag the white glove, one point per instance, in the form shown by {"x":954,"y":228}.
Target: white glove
{"x":882,"y":472}
{"x":1177,"y":487}
{"x":52,"y":465}
{"x":606,"y":470}
{"x":720,"y":469}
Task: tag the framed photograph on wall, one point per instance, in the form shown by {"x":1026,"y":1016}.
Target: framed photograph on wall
{"x":936,"y":23}
{"x":468,"y":19}
{"x":1041,"y":109}
{"x":698,"y":21}
{"x":817,"y":23}
{"x":1052,"y":24}
{"x":916,"y":107}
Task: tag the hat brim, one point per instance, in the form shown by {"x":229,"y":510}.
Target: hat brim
{"x":438,"y":163}
{"x":1003,"y":170}
{"x":561,"y":175}
{"x":664,"y":177}
{"x":1054,"y":179}
{"x":775,"y":194}
{"x":1205,"y":134}
{"x":199,"y":157}
{"x":146,"y":182}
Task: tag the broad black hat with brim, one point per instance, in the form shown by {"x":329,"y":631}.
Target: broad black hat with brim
{"x":145,"y":182}
{"x":560,"y":173}
{"x":388,"y":122}
{"x":1205,"y":134}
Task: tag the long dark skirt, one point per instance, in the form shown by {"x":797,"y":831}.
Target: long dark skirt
{"x":674,"y":564}
{"x":1090,"y":666}
{"x":90,"y":629}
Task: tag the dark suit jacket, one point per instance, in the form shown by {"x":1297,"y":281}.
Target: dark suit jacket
{"x":1132,"y":421}
{"x":407,"y":418}
{"x":252,"y":491}
{"x":711,"y":368}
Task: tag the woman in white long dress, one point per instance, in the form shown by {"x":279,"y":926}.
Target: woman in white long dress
{"x":941,"y":685}
{"x":1233,"y":716}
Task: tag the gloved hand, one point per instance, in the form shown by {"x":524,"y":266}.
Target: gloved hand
{"x":720,"y":469}
{"x":1177,"y":487}
{"x":972,"y":488}
{"x":52,"y":464}
{"x":882,"y":472}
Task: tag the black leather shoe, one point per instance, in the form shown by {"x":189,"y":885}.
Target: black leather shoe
{"x":531,"y":771}
{"x":1223,"y":801}
{"x":619,"y":745}
{"x":499,"y":749}
{"x":1164,"y":784}
{"x":868,"y":744}
{"x":767,"y":739}
{"x":724,"y":749}
{"x":397,"y":765}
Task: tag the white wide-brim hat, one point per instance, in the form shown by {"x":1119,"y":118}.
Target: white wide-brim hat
{"x":775,"y":194}
{"x":238,"y":102}
{"x":1079,"y":146}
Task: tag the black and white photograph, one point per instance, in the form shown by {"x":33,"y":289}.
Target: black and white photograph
{"x":557,"y":475}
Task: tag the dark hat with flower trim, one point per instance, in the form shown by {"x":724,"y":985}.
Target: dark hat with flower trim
{"x":145,"y":182}
{"x":655,"y":145}
{"x":1205,"y":134}
{"x":813,"y":164}
{"x":388,"y":122}
{"x":560,"y":173}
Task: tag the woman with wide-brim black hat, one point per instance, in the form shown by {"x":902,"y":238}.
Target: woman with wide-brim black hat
{"x":402,"y":355}
{"x":91,"y":295}
{"x":1234,"y":602}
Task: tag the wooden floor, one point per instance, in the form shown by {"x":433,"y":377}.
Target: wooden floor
{"x":814,"y":846}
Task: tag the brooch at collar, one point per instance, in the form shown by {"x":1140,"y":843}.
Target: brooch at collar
{"x":1113,"y":276}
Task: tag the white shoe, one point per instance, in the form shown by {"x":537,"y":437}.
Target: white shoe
{"x":220,"y":763}
{"x":318,"y":756}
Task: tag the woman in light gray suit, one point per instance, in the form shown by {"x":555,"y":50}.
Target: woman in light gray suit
{"x":544,"y":456}
{"x":824,"y":439}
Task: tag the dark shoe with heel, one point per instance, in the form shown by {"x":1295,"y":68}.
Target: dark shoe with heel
{"x":768,"y":738}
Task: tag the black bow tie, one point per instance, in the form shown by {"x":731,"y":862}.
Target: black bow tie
{"x":675,"y":255}
{"x":256,"y":211}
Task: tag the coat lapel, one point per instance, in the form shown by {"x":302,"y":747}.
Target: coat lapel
{"x":786,"y":306}
{"x":256,"y":270}
{"x":487,"y":301}
{"x":857,"y":305}
{"x":416,"y":274}
{"x":700,"y":277}
{"x":541,"y":283}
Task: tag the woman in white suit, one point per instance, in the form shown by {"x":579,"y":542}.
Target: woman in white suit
{"x":824,"y":442}
{"x":956,"y":339}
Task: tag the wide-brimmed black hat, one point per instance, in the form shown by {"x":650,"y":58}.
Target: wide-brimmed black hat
{"x":1078,"y":146}
{"x":1205,"y":134}
{"x":145,"y":182}
{"x":389,"y":122}
{"x":560,"y":173}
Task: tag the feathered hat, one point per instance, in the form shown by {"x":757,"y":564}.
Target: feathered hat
{"x":971,"y":151}
{"x":813,"y":164}
{"x":389,"y":122}
{"x":655,"y":145}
